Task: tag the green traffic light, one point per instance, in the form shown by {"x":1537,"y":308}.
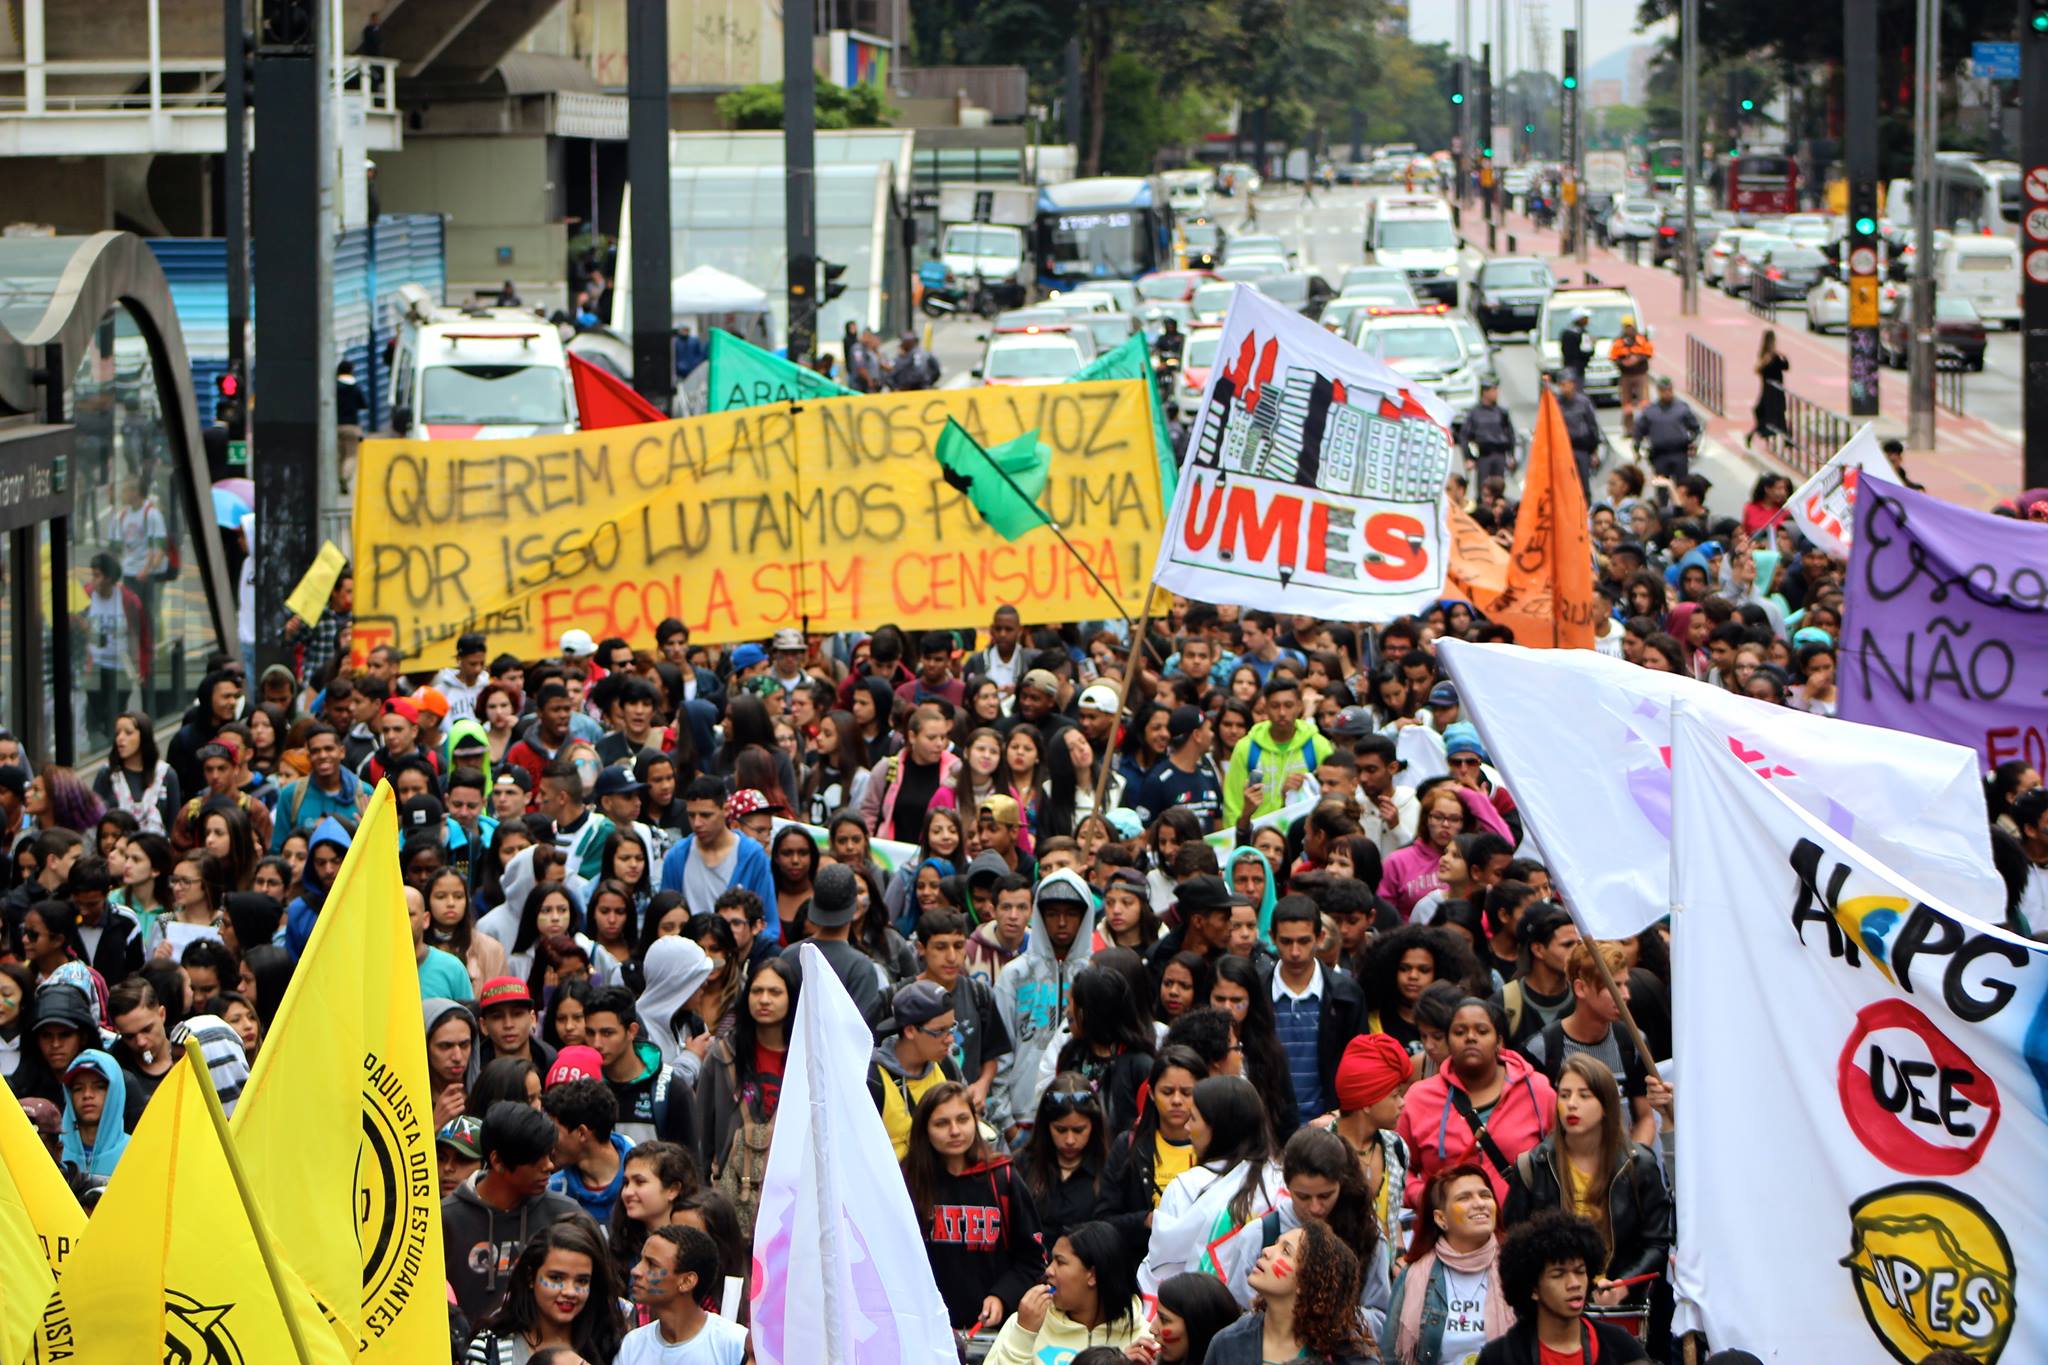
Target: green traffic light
{"x":1486,"y":152}
{"x":1528,"y":127}
{"x":2039,"y":22}
{"x":1748,"y":105}
{"x":1571,"y":82}
{"x":1866,"y":226}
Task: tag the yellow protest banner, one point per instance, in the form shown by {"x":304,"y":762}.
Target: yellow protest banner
{"x":829,"y":514}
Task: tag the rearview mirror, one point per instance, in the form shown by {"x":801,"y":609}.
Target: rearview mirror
{"x":976,"y":372}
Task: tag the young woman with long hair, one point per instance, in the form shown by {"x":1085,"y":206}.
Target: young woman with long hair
{"x":1088,"y":1303}
{"x":1234,"y":1177}
{"x":1401,"y":965}
{"x":874,"y":935}
{"x":1768,"y":414}
{"x":837,"y":773}
{"x":49,"y":938}
{"x":1068,"y":1151}
{"x":981,"y":772}
{"x":562,"y":1019}
{"x":1305,"y":1305}
{"x":1172,"y":829}
{"x":628,"y":862}
{"x":614,"y":933}
{"x":1025,"y":770}
{"x":498,"y":709}
{"x":225,"y":833}
{"x":872,"y":705}
{"x":451,"y":927}
{"x":1192,"y":1310}
{"x":1448,"y":1301}
{"x":143,"y":861}
{"x":562,"y":1292}
{"x":659,"y":1176}
{"x":718,"y":999}
{"x":1145,"y":743}
{"x":979,"y":1221}
{"x":549,"y":909}
{"x":793,"y":862}
{"x":198,"y":888}
{"x":1185,"y":983}
{"x":1248,"y":1000}
{"x":136,"y":779}
{"x":56,"y":799}
{"x":1107,"y":1046}
{"x":944,"y":838}
{"x":1590,"y":1167}
{"x":1145,"y":1159}
{"x":741,"y":1081}
{"x":1320,"y":1169}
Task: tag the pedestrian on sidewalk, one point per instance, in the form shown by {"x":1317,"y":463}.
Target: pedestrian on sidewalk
{"x":1670,"y":428}
{"x":1768,"y":416}
{"x":1582,"y":427}
{"x":1487,"y":436}
{"x":1631,"y":354}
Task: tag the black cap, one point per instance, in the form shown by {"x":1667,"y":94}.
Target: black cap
{"x":60,"y":1002}
{"x":420,"y":814}
{"x":1204,"y":895}
{"x":1184,"y":721}
{"x":616,"y":782}
{"x":14,"y":778}
{"x":471,"y":643}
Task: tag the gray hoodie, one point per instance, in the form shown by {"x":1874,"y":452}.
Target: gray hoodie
{"x":1031,"y":993}
{"x":480,"y":1242}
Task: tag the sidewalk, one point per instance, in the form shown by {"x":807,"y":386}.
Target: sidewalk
{"x":1974,"y":464}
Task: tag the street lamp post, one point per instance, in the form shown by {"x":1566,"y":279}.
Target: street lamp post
{"x":1926,"y":107}
{"x":1689,"y":263}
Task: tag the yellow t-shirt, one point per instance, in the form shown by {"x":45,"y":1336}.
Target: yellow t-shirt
{"x":895,"y":1113}
{"x":1580,"y":1195}
{"x":1169,"y":1159}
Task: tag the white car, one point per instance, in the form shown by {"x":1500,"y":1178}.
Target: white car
{"x":1426,"y":346}
{"x":1212,"y":301}
{"x":1634,"y":220}
{"x":1030,"y":356}
{"x":1605,"y":309}
{"x":1197,"y":358}
{"x":1827,"y":305}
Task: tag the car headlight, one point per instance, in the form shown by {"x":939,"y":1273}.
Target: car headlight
{"x":1452,"y":270}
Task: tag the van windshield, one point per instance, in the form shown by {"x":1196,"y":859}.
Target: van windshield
{"x":495,"y":395}
{"x":1414,"y":234}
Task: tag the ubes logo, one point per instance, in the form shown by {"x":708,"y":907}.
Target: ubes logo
{"x":197,"y":1333}
{"x":1933,"y":1271}
{"x":395,"y":1183}
{"x":1914,"y":1099}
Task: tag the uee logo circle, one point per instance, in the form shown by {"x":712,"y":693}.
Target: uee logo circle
{"x":1932,"y":1271}
{"x":1913,"y":1098}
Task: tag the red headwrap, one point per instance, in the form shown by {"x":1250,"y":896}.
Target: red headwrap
{"x":1372,"y":1068}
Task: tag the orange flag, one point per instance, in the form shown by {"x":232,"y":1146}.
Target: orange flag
{"x":1549,"y":602}
{"x":1478,"y":568}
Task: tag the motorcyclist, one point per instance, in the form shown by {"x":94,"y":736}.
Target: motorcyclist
{"x":1166,"y":346}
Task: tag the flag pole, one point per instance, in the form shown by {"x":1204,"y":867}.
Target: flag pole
{"x":1628,"y":1020}
{"x":279,"y":1285}
{"x":1046,"y":517}
{"x":1131,"y":666}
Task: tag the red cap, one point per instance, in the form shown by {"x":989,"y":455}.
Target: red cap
{"x":575,"y":1063}
{"x":503,"y":990}
{"x":402,"y":706}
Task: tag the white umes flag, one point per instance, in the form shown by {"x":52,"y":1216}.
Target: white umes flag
{"x":1861,"y":1090}
{"x":1583,"y":743}
{"x":840,"y":1274}
{"x":1825,"y":505}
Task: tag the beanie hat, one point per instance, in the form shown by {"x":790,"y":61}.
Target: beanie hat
{"x":1373,"y":1067}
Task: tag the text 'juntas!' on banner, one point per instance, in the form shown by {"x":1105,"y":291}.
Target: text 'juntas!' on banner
{"x":832,"y":513}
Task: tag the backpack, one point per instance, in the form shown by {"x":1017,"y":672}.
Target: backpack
{"x":745,"y":1163}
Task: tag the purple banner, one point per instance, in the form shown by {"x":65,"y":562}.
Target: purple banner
{"x":1946,"y":619}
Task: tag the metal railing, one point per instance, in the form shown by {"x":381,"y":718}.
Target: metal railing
{"x":1948,"y":389}
{"x":1765,"y":308}
{"x":374,"y":78}
{"x":1704,"y":376}
{"x":1813,"y":434}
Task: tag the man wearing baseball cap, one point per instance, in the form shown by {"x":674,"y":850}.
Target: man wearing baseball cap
{"x":456,"y":1153}
{"x":1097,"y":710}
{"x":1038,"y":700}
{"x":786,"y":653}
{"x":398,"y":726}
{"x":834,"y":901}
{"x":1187,"y":776}
{"x":505,"y":1007}
{"x":918,"y":1057}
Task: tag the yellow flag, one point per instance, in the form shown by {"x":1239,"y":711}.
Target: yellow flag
{"x":36,"y":1184}
{"x":335,"y":1127}
{"x":175,"y":1264}
{"x":25,"y":1281}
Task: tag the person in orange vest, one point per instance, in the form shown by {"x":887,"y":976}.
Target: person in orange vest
{"x":1631,"y":354}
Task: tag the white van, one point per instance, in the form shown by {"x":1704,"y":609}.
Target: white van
{"x":1413,"y":232}
{"x":478,"y":373}
{"x":1984,"y":270}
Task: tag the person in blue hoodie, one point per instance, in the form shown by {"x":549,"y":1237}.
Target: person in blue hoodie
{"x":95,"y":1094}
{"x":713,"y":858}
{"x":590,"y":1158}
{"x":1031,"y":991}
{"x":324,"y":855}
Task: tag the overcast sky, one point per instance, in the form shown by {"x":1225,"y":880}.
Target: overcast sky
{"x":1610,"y":24}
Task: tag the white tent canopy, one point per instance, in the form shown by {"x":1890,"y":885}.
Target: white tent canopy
{"x":709,"y":290}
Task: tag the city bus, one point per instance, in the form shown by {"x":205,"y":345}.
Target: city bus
{"x":1109,"y":228}
{"x":1667,"y":165}
{"x":1976,"y":196}
{"x":1759,"y":184}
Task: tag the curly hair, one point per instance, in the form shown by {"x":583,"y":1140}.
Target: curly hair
{"x":1326,"y":1319}
{"x":1552,"y":1237}
{"x":1453,"y":958}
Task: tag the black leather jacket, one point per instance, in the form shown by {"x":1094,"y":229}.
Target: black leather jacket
{"x":1638,"y":1207}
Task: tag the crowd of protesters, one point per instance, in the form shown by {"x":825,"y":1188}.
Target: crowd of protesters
{"x":1170,"y":1077}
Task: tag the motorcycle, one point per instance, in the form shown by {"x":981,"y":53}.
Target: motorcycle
{"x":946,"y":294}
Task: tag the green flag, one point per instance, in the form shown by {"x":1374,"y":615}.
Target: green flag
{"x":1133,"y":360}
{"x":1004,"y":483}
{"x":745,"y":376}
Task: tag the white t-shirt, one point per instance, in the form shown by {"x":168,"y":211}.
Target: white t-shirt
{"x":1464,"y":1325}
{"x":138,"y":528}
{"x":720,"y":1341}
{"x":106,"y":627}
{"x":2034,"y":899}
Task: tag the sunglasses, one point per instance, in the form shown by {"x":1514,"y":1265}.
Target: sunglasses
{"x":1071,"y":1096}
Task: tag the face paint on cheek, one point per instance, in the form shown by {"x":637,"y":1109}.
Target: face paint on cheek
{"x":1283,"y":1267}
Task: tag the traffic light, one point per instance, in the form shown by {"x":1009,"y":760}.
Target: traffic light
{"x":1571,"y":82}
{"x":832,"y":288}
{"x":1748,"y":105}
{"x":1529,"y":128}
{"x":1866,"y":226}
{"x":2037,"y":18}
{"x":227,"y":385}
{"x":1457,"y":97}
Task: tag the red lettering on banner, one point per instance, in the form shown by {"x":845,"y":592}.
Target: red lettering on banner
{"x":1195,"y":531}
{"x":2012,"y":741}
{"x":1397,"y":541}
{"x":1280,"y":525}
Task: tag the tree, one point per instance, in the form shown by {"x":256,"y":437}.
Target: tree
{"x":760,"y":106}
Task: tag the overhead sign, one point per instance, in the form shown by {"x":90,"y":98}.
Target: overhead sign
{"x":1995,"y":61}
{"x":834,"y":515}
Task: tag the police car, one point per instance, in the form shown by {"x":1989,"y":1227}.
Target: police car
{"x":1424,"y":344}
{"x":1605,"y":309}
{"x":1413,"y":233}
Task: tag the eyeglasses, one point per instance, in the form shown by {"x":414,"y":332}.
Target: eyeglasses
{"x":1071,"y":1096}
{"x":187,"y":881}
{"x":953,"y":1032}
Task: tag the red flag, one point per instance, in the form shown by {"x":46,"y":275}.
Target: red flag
{"x":605,"y":400}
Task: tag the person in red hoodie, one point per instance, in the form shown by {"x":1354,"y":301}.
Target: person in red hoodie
{"x":1486,"y":1105}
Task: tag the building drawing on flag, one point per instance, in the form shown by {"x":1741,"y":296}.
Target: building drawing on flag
{"x":1307,"y":431}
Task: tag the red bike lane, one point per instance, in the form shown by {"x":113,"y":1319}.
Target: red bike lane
{"x":1972,"y":463}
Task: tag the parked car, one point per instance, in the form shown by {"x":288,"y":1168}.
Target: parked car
{"x":1508,"y":293}
{"x":1827,"y":304}
{"x":1742,"y":264}
{"x":1959,"y":333}
{"x":1632,"y":220}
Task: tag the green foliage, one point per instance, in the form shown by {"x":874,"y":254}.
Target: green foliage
{"x":760,"y":106}
{"x":1140,"y":119}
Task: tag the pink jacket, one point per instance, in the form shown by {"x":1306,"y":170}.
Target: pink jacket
{"x":1409,"y":873}
{"x":886,"y":779}
{"x":1438,"y":1136}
